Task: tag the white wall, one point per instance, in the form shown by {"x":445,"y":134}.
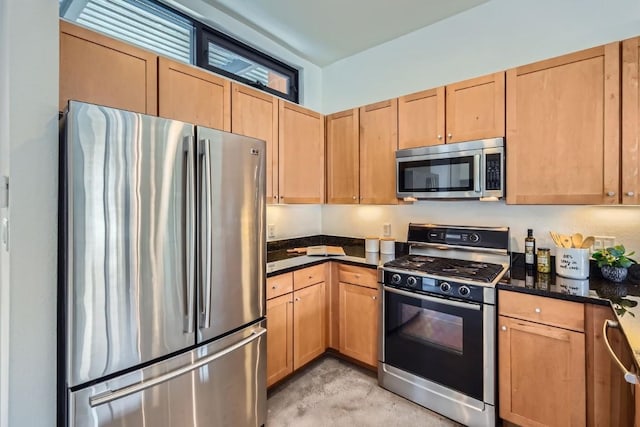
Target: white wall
{"x":621,"y":222}
{"x":491,"y":37}
{"x":29,"y":139}
{"x":310,"y":74}
{"x":294,"y":220}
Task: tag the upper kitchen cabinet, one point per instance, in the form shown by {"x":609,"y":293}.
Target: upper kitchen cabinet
{"x":343,"y":157}
{"x":255,"y":114}
{"x":300,"y":154}
{"x":101,"y":70}
{"x":630,"y":121}
{"x":463,"y":111}
{"x":563,"y":136}
{"x":421,"y":119}
{"x":475,"y":108}
{"x":378,"y":143}
{"x":193,"y":95}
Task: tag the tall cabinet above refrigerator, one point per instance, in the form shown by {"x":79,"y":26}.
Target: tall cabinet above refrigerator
{"x":162,"y":285}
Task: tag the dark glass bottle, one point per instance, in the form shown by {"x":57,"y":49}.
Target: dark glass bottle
{"x":529,"y":249}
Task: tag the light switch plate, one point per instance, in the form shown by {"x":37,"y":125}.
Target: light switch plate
{"x":271,"y":231}
{"x":386,"y":229}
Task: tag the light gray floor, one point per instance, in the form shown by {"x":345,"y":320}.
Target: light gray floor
{"x":332,"y":392}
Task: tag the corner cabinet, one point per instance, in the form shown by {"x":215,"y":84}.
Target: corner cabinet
{"x":193,"y":95}
{"x":255,"y":114}
{"x":630,"y":186}
{"x":378,"y":143}
{"x":343,"y":157}
{"x":300,"y":155}
{"x":100,"y":70}
{"x":563,"y":129}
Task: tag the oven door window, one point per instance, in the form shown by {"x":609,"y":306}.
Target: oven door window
{"x":435,"y":341}
{"x":437,"y":175}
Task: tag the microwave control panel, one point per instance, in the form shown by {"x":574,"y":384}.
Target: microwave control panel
{"x":493,"y":171}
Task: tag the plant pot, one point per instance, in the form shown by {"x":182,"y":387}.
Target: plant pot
{"x":615,"y":274}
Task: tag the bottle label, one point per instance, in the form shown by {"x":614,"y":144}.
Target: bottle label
{"x":528,"y":253}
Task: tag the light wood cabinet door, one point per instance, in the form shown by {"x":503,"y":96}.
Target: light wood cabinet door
{"x":378,"y":144}
{"x":309,"y":324}
{"x":541,"y":374}
{"x":279,"y":338}
{"x":193,"y":95}
{"x":610,"y":400}
{"x":100,"y":70}
{"x":359,"y":313}
{"x":630,"y":186}
{"x":300,"y":155}
{"x":421,"y":119}
{"x":563,"y":120}
{"x":343,"y":157}
{"x":475,"y":108}
{"x":255,"y":114}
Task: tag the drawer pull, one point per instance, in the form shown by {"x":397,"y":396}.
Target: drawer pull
{"x":629,"y":377}
{"x":374,"y":297}
{"x":504,"y":328}
{"x":310,"y":277}
{"x":537,"y":310}
{"x":274,"y":287}
{"x":298,"y":299}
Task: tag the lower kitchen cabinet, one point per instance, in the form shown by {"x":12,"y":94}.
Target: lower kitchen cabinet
{"x":279,"y":338}
{"x":308,"y":324}
{"x":541,"y":360}
{"x":359,"y":313}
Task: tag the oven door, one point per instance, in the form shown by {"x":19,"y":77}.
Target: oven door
{"x":447,"y":175}
{"x":435,"y":338}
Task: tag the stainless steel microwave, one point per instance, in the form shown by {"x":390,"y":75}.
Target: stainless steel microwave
{"x":464,"y":170}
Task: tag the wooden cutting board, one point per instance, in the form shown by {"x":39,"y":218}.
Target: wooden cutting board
{"x":321,"y":250}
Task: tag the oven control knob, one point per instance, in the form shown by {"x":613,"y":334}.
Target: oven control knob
{"x":445,"y":287}
{"x":474,"y":237}
{"x":396,"y":279}
{"x":411,"y":281}
{"x":464,"y":291}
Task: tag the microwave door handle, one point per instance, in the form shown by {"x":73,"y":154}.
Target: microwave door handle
{"x":476,"y":173}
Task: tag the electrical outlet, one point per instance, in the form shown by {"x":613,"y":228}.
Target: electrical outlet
{"x":601,"y":242}
{"x":271,"y":231}
{"x":386,"y":229}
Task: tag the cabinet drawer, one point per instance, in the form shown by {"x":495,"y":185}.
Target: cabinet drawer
{"x":308,"y":276}
{"x":279,"y":285}
{"x":358,"y":275}
{"x":550,"y":311}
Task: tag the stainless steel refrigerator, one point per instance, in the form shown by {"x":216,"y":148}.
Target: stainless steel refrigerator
{"x":162,"y":286}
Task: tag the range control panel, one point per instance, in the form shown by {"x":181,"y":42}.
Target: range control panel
{"x":416,"y":282}
{"x":472,"y":237}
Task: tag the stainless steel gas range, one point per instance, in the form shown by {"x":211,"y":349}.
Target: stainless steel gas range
{"x":438,"y":334}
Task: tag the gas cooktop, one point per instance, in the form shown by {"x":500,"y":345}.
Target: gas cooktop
{"x":447,"y":267}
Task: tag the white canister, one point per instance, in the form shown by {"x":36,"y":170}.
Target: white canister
{"x":388,"y":246}
{"x":372,"y":244}
{"x":572,"y":263}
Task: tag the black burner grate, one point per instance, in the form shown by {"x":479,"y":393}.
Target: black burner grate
{"x":447,"y":267}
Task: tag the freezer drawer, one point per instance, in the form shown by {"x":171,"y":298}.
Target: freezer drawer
{"x":219,"y":384}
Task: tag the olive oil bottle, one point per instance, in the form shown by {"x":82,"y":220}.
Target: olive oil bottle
{"x":529,"y":249}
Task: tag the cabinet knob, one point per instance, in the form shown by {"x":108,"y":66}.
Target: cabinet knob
{"x":354,"y":197}
{"x":449,"y":136}
{"x":630,"y":193}
{"x":357,"y":276}
{"x":537,"y":310}
{"x":274,"y":287}
{"x":275,"y":197}
{"x":611,"y":193}
{"x":504,"y":328}
{"x":439,"y":136}
{"x":374,"y":297}
{"x":310,"y":277}
{"x":298,"y":299}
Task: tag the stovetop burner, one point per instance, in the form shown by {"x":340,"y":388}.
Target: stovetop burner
{"x":459,"y":268}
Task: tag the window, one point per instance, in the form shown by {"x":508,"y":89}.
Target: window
{"x":169,"y":33}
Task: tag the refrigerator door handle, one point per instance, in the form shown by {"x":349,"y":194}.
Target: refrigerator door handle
{"x":110,"y":396}
{"x":206,"y":246}
{"x":189,"y":262}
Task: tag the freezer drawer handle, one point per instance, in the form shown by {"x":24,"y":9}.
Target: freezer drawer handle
{"x":110,"y":396}
{"x":628,"y":375}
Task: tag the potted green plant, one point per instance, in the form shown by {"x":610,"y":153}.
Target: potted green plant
{"x":613,"y":262}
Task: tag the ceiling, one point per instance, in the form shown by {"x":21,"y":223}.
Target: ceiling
{"x":326,"y":31}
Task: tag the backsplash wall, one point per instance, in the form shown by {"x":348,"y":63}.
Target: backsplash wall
{"x":623,"y":222}
{"x":294,"y":221}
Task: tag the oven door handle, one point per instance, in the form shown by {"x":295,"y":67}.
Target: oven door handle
{"x":453,"y":303}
